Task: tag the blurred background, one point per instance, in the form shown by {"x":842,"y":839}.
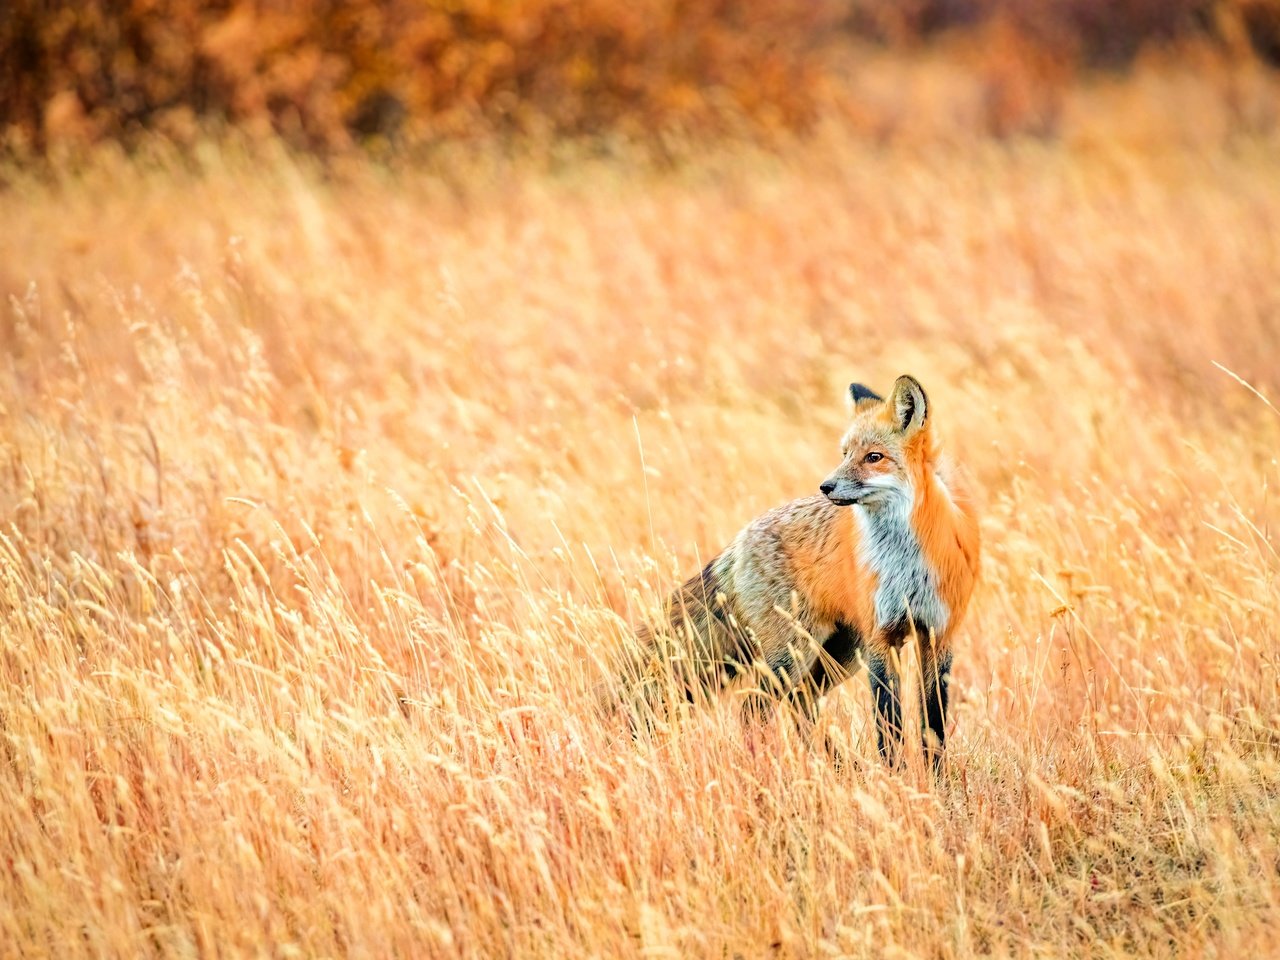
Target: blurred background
{"x":336,"y":73}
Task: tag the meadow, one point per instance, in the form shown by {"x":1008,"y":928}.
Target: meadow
{"x":330,"y":489}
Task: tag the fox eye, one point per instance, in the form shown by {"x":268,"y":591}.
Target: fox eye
{"x":873,"y":457}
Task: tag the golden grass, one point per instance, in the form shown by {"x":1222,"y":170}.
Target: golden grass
{"x":329,"y":493}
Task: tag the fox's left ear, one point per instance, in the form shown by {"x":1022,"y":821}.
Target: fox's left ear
{"x":909,"y":404}
{"x":858,"y":393}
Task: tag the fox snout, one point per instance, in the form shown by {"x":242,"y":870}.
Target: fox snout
{"x":842,"y":491}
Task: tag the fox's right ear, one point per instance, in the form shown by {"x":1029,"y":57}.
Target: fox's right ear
{"x":857,"y":393}
{"x":909,"y":403}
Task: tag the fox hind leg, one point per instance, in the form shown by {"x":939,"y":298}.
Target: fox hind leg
{"x":833,"y":665}
{"x":836,"y":662}
{"x":787,"y":673}
{"x":801,"y":681}
{"x":780,"y":678}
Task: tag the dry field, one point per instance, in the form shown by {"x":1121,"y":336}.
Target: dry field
{"x":328,"y":494}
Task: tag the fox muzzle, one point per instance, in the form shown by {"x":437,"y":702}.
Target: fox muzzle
{"x":843,"y":492}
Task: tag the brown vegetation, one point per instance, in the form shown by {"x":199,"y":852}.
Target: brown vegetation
{"x":331,"y":73}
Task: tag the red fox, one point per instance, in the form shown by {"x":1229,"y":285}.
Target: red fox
{"x":812,"y":590}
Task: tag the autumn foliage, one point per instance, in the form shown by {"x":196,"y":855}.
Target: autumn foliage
{"x":337,"y":72}
{"x":326,"y":72}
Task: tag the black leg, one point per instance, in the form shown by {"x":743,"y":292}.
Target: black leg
{"x":885,"y":687}
{"x":935,"y":682}
{"x":830,"y":667}
{"x":805,"y":696}
{"x":777,"y":679}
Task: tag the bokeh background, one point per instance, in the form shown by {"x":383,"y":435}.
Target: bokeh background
{"x":330,"y":74}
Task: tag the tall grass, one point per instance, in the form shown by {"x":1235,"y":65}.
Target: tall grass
{"x":329,"y":493}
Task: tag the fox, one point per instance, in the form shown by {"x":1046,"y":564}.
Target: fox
{"x":811,"y":592}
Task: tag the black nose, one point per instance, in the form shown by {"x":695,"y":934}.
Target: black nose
{"x":827,"y":486}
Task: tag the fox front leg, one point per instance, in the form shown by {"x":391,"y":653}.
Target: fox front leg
{"x":935,"y":683}
{"x":886,"y":695}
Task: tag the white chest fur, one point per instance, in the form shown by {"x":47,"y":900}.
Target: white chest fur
{"x":907,"y":587}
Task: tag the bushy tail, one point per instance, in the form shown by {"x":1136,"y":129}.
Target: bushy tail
{"x":689,"y":651}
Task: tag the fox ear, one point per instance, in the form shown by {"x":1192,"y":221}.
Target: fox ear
{"x":858,"y":392}
{"x":909,"y":404}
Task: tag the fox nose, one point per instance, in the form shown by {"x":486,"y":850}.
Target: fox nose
{"x":827,"y":486}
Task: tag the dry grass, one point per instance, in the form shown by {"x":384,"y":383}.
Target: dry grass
{"x":328,"y":494}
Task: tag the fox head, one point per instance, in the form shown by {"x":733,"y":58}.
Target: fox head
{"x":885,"y":448}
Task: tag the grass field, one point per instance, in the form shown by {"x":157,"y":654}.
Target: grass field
{"x":329,"y":492}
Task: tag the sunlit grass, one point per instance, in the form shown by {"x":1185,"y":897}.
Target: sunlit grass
{"x":329,"y":494}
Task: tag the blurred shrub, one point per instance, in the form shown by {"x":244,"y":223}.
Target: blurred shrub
{"x":1259,"y":21}
{"x":322,"y":72}
{"x":328,"y":72}
{"x":1095,"y":32}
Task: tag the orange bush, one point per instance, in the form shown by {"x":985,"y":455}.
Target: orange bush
{"x":324,"y":74}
